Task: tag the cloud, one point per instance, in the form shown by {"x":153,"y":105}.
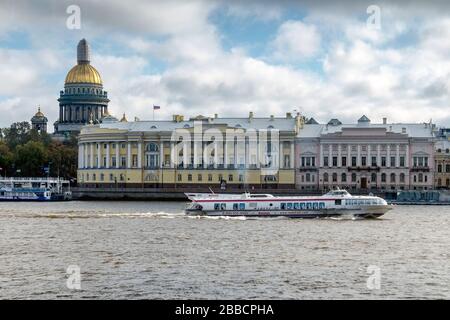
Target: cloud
{"x":296,"y":40}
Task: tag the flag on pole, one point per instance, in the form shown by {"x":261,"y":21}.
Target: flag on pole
{"x":156,"y":107}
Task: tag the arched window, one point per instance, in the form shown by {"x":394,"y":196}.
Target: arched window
{"x":393,"y":177}
{"x":373,"y":177}
{"x":344,"y":177}
{"x":152,"y":147}
{"x":325,"y":177}
{"x":383,"y":177}
{"x":402,"y":177}
{"x":439,"y":182}
{"x":334,"y":177}
{"x":420,"y":177}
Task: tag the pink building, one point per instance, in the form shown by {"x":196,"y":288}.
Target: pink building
{"x":365,"y":156}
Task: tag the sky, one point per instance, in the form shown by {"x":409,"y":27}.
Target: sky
{"x":336,"y":59}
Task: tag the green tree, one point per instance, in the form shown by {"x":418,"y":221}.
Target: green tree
{"x":6,"y":159}
{"x":63,"y":158}
{"x":30,"y":158}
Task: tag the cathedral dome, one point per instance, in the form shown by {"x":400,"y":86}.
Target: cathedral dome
{"x":83,"y":72}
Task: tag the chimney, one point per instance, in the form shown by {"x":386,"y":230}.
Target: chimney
{"x":288,"y":115}
{"x":384,"y":120}
{"x":250,"y":116}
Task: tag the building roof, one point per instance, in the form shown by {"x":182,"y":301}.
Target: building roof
{"x":282,"y":124}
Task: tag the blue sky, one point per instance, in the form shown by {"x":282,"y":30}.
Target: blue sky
{"x":231,"y":57}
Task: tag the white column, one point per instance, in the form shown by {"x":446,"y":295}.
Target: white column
{"x":358,"y":157}
{"x":369,"y":160}
{"x":172,"y":155}
{"x":407,"y":156}
{"x":388,"y":156}
{"x":107,"y":155}
{"x":128,"y":154}
{"x":397,"y":156}
{"x":349,"y":155}
{"x":139,"y":155}
{"x":258,"y":164}
{"x":117,"y":154}
{"x":91,"y":155}
{"x":339,"y":162}
{"x":321,"y":154}
{"x":280,"y":155}
{"x":161,"y":154}
{"x":330,"y":155}
{"x":378,"y":155}
{"x":292,"y":155}
{"x":216,"y":154}
{"x":85,"y":151}
{"x":80,"y":162}
{"x":99,"y":154}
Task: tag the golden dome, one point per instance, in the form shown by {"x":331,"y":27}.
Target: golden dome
{"x":83,"y":73}
{"x":39,"y":113}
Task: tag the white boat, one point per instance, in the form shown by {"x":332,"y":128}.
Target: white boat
{"x":334,"y":203}
{"x":34,"y":189}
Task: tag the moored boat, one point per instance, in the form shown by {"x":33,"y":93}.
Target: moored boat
{"x":332,"y":204}
{"x":34,"y":189}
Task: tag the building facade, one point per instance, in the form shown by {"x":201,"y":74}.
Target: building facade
{"x":365,"y":156}
{"x":442,"y":160}
{"x":83,"y":99}
{"x":227,"y":153}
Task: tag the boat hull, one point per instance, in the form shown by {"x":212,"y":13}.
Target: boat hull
{"x":366,"y":212}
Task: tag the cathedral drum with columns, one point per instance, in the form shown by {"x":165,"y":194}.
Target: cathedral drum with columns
{"x":83,"y":99}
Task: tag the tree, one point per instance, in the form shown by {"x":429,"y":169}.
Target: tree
{"x":30,"y":158}
{"x":6,"y":159}
{"x":17,"y":134}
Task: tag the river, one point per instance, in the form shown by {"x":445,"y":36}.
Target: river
{"x":151,"y":250}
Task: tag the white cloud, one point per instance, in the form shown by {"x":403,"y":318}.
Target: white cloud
{"x":296,"y":40}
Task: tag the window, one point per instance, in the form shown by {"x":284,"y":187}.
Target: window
{"x":179,"y":177}
{"x":152,"y":147}
{"x":439,"y":167}
{"x":123,"y":162}
{"x":392,"y":177}
{"x":374,"y":161}
{"x":447,"y":168}
{"x":353,"y":161}
{"x":241,"y":178}
{"x":402,"y":161}
{"x":235,"y":206}
{"x":353,"y":177}
{"x":325,"y":177}
{"x":114,"y":161}
{"x":241,"y":206}
{"x":334,"y":177}
{"x":373,"y":177}
{"x":325,"y":161}
{"x":363,"y":161}
{"x":402,"y":177}
{"x":210,"y":177}
{"x":135,"y":160}
{"x":343,"y":177}
{"x":189,"y":177}
{"x":102,"y":177}
{"x":393,"y":164}
{"x":420,"y":177}
{"x":111,"y":177}
{"x":308,"y":177}
{"x":344,"y":161}
{"x":383,"y":177}
{"x":383,"y":161}
{"x":230,"y":177}
{"x":104,"y":162}
{"x":335,"y":161}
{"x":199,"y":178}
{"x":122,"y":177}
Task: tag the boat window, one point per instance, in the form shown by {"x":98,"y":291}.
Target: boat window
{"x":252,"y":204}
{"x":321,"y":205}
{"x":223,"y":206}
{"x":296,"y":206}
{"x":338,"y":202}
{"x":216,"y":206}
{"x":315,"y":205}
{"x":283,"y":206}
{"x":235,"y":206}
{"x":289,"y":205}
{"x":302,"y":206}
{"x":308,"y":205}
{"x":241,"y":206}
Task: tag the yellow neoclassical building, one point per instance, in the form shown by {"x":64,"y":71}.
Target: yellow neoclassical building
{"x":248,"y":153}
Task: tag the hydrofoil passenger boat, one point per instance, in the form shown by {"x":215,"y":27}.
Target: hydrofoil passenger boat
{"x":334,"y":203}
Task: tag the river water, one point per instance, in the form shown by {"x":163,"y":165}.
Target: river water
{"x":151,"y":250}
